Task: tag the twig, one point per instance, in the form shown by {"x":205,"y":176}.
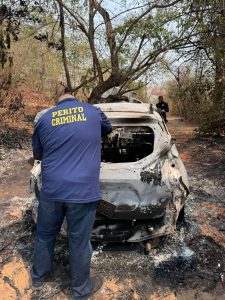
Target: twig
{"x":5,"y":246}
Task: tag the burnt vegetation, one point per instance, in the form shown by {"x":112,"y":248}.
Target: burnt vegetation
{"x":91,"y":48}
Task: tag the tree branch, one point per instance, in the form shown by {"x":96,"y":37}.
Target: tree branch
{"x":91,"y":39}
{"x":110,"y":34}
{"x":119,"y":14}
{"x":88,"y":81}
{"x":136,"y":20}
{"x":64,"y":57}
{"x":134,"y":89}
{"x":79,"y":20}
{"x":137,"y":53}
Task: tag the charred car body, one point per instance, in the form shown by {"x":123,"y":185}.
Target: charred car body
{"x":143,"y":180}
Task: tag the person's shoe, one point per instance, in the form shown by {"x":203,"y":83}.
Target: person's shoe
{"x":97,"y":282}
{"x":36,"y":286}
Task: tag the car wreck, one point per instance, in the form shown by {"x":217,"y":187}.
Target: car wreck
{"x":143,"y":181}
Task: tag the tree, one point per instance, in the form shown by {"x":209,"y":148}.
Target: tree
{"x":210,"y":40}
{"x":122,"y":51}
{"x":8,"y":28}
{"x":190,"y":90}
{"x":12,"y":14}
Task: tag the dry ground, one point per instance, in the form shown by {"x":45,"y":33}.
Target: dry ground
{"x":190,"y":264}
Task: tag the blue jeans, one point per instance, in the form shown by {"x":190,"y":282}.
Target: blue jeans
{"x":80,"y":219}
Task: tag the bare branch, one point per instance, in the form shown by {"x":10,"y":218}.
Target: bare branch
{"x":110,"y":34}
{"x":79,"y":20}
{"x":136,"y":20}
{"x":168,"y":68}
{"x":147,"y":61}
{"x":121,"y":13}
{"x":135,"y":88}
{"x":91,"y":39}
{"x":137,"y":53}
{"x":88,"y":81}
{"x":64,"y":57}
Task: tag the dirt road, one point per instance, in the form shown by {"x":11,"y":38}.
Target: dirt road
{"x":189,"y":264}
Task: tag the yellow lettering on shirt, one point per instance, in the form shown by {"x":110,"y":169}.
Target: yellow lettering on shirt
{"x":65,"y":112}
{"x":83,"y":118}
{"x":57,"y":122}
{"x":66,"y":119}
{"x":74,"y":118}
{"x":59,"y":113}
{"x":79,"y":118}
{"x":66,"y":116}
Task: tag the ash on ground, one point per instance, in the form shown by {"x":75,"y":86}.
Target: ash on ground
{"x":190,"y":264}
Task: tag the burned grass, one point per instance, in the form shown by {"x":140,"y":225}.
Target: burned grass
{"x":190,"y":264}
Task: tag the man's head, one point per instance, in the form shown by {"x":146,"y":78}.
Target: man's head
{"x":66,"y":93}
{"x":67,"y":90}
{"x":160,"y":98}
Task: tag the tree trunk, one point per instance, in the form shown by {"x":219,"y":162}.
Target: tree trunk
{"x":6,"y":60}
{"x":64,"y":57}
{"x":104,"y":86}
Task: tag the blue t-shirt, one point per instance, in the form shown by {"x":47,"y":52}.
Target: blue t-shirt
{"x":67,"y":139}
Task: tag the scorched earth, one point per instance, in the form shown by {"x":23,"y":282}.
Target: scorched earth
{"x":190,"y":264}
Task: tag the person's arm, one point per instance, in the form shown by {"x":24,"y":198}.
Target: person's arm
{"x":36,"y":145}
{"x":106,"y":126}
{"x":158,"y":108}
{"x":166,"y":107}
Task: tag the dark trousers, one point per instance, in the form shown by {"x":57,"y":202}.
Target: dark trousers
{"x":80,"y":219}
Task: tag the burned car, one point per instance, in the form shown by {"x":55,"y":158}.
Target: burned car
{"x":143,"y":181}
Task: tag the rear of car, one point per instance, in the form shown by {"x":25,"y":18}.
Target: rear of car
{"x":143,"y":180}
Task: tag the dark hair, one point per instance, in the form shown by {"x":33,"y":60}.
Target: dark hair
{"x":160,"y":98}
{"x":67,"y":90}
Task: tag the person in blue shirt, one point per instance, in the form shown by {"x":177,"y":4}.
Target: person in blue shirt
{"x":67,"y":140}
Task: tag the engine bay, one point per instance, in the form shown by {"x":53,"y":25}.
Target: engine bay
{"x":127,"y":144}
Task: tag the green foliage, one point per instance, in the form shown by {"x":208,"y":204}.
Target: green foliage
{"x":13,"y":15}
{"x":191,"y":97}
{"x":194,"y":98}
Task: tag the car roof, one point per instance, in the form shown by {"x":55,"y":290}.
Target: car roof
{"x":127,"y":109}
{"x":125,"y":106}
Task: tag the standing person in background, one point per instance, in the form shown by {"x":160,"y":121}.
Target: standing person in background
{"x":163,"y":108}
{"x":67,"y":140}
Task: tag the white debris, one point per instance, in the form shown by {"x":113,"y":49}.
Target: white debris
{"x":162,"y":257}
{"x":97,"y":252}
{"x":186,"y":253}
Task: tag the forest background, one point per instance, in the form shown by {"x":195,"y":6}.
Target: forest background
{"x":93,"y":46}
